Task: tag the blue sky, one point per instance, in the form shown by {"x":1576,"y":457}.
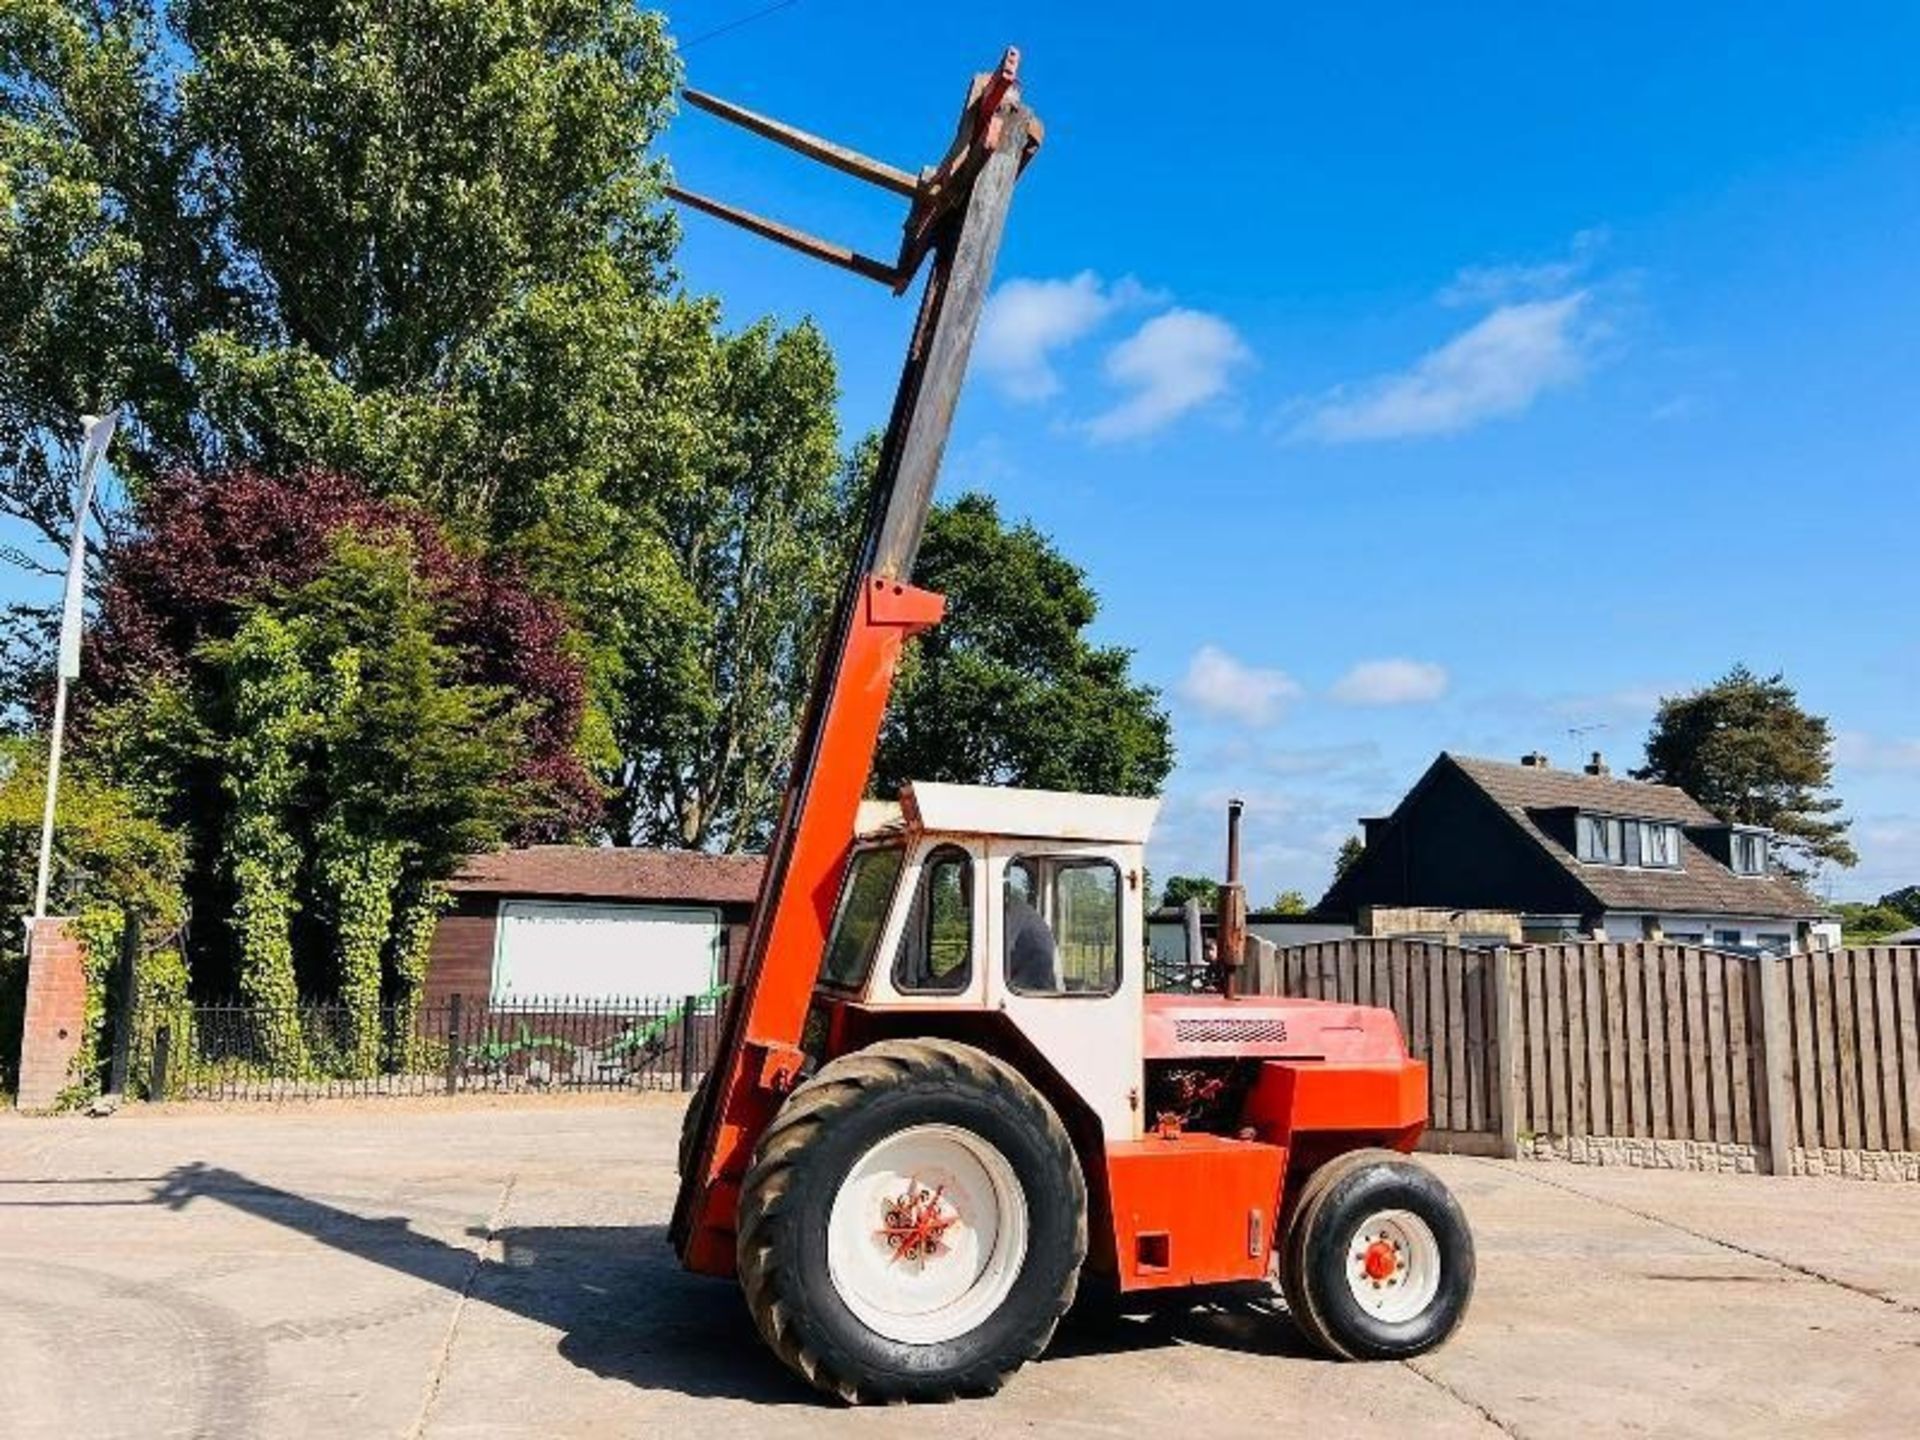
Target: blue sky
{"x":1410,"y":377}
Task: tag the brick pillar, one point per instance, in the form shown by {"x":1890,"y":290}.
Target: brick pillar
{"x":56,"y":1012}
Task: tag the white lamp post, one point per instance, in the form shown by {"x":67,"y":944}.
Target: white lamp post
{"x":99,"y":434}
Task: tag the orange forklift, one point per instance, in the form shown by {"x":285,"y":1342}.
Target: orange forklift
{"x":943,"y":1094}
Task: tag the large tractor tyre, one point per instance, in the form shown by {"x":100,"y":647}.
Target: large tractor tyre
{"x":690,"y":1122}
{"x":913,"y":1225}
{"x":1379,"y":1260}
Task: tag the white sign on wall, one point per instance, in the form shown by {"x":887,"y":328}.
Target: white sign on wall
{"x":545,"y":949}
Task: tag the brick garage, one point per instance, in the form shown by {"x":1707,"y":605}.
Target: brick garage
{"x":503,"y":899}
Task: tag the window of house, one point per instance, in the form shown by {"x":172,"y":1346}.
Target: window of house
{"x":1775,"y":942}
{"x":1729,"y":938}
{"x":1660,"y":846}
{"x":1607,"y":840}
{"x":1061,"y":925}
{"x":936,"y":946}
{"x":1602,"y":840}
{"x":862,"y":911}
{"x":1749,"y":853}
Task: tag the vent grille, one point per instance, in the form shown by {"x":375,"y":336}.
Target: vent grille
{"x":1230,"y":1032}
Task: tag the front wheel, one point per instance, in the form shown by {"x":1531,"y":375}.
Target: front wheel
{"x":1379,"y":1261}
{"x":913,"y":1225}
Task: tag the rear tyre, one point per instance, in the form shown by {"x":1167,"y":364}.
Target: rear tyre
{"x":913,"y":1225}
{"x":1379,"y":1261}
{"x":690,"y":1122}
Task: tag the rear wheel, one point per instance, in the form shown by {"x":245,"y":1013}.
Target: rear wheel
{"x":913,"y":1225}
{"x":690,"y":1122}
{"x":1379,"y":1262}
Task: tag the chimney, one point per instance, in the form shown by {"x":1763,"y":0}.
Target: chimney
{"x":1598,"y":766}
{"x":1534,"y":760}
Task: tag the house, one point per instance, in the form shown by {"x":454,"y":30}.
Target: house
{"x":1576,"y":854}
{"x":579,"y":922}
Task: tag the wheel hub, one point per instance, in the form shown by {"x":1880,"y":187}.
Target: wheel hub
{"x":1393,"y":1265}
{"x":927,"y":1234}
{"x":1380,"y":1261}
{"x":914,"y":1222}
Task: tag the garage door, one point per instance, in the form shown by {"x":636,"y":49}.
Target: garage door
{"x":550,"y":949}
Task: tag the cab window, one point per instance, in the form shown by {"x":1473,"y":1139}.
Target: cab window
{"x":1061,"y":925}
{"x":936,"y":945}
{"x":857,"y":921}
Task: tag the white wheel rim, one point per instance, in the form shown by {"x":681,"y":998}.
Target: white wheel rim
{"x":1393,"y":1265}
{"x":927,"y":1234}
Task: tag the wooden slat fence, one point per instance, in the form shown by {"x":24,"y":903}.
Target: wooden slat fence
{"x":1663,"y":1042}
{"x":1443,"y":997}
{"x":1852,"y":1069}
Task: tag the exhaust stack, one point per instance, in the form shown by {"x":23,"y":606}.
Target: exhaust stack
{"x":1232,"y":922}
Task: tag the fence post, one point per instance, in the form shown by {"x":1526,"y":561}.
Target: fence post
{"x":124,"y":1018}
{"x":1776,"y":1050}
{"x":1195,"y":933}
{"x":157,"y":1080}
{"x":686,"y":1044}
{"x":453,"y":1044}
{"x":1505,"y":1070}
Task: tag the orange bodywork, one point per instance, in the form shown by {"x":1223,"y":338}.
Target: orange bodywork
{"x":1199,"y":1209}
{"x":761,"y":1059}
{"x":1385,"y":1100}
{"x":1192,"y":1209}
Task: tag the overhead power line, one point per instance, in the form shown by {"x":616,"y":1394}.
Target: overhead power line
{"x":732,"y":25}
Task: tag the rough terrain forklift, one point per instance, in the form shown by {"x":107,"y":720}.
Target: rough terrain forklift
{"x":942,"y":1095}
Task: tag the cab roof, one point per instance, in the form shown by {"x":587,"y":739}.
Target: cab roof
{"x":1001,"y":810}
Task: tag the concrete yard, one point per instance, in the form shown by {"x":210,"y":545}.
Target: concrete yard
{"x":399,"y":1268}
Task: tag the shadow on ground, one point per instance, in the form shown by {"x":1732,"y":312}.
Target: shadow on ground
{"x":626,"y":1310}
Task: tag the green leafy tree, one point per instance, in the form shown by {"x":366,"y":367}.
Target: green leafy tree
{"x":1744,"y":748}
{"x":1182,"y":888}
{"x":1008,"y":689}
{"x":371,"y":236}
{"x":110,"y":859}
{"x":1351,"y":849}
{"x":1864,"y":921}
{"x":1289,"y":902}
{"x":268,"y":718}
{"x":420,"y":245}
{"x":1861,"y":923}
{"x":1906,"y":900}
{"x":756,"y":528}
{"x":358,"y":761}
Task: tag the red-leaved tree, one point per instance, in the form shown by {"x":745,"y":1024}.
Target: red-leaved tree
{"x":204,"y":546}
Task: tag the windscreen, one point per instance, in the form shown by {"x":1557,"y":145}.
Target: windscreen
{"x":864,"y":896}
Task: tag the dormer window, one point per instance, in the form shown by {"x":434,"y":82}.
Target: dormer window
{"x":1660,"y":846}
{"x":1602,"y":840}
{"x":1615,"y":840}
{"x":1749,"y":852}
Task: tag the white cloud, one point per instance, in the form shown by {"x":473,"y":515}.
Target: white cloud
{"x":1629,"y":703}
{"x":1496,"y":284}
{"x":1498,"y":367}
{"x":1026,"y":321}
{"x":1391,"y":682}
{"x":1859,"y":751}
{"x":1218,"y":684}
{"x":1172,"y":364}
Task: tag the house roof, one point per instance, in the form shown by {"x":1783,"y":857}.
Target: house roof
{"x":613,"y":873}
{"x":1701,"y":884}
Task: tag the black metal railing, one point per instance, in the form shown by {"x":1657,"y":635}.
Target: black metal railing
{"x":460,"y":1044}
{"x":1167,"y":975}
